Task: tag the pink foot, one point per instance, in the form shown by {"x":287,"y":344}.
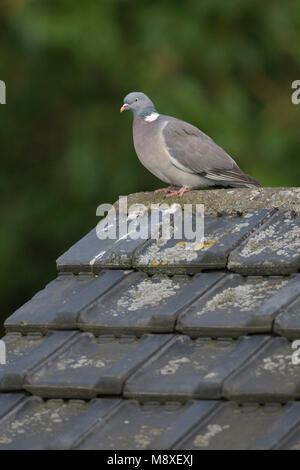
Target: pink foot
{"x":165,"y":190}
{"x":178,"y":192}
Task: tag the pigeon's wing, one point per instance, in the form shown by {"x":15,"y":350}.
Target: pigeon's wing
{"x":194,"y":152}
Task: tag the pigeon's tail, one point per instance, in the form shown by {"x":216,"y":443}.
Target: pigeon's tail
{"x":233,"y":178}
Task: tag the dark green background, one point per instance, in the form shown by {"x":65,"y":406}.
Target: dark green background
{"x":225,"y":66}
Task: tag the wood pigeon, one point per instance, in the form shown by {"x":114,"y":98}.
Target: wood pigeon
{"x":178,"y":153}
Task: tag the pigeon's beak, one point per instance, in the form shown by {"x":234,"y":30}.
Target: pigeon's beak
{"x":124,"y":107}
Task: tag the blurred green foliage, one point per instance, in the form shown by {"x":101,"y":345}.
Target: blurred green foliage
{"x":226,"y":67}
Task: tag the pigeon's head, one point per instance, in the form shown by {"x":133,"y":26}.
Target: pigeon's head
{"x":139,"y":104}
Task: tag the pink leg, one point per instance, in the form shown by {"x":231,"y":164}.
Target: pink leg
{"x":178,"y":192}
{"x":165,"y":190}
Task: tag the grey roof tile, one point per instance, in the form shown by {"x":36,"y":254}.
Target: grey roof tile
{"x":292,"y":442}
{"x":9,"y":401}
{"x":59,"y":304}
{"x":277,"y":434}
{"x":110,"y":246}
{"x":287,"y":323}
{"x":35,"y":422}
{"x":234,"y":427}
{"x":25,"y":352}
{"x":130,"y":424}
{"x":120,"y":253}
{"x":88,"y":366}
{"x":269,"y":375}
{"x":222,"y":234}
{"x":238,"y":305}
{"x":140,"y":304}
{"x":291,"y":435}
{"x":94,"y":251}
{"x":38,"y":313}
{"x":186,"y":369}
{"x":273,"y":248}
{"x":83,"y":254}
{"x":96,"y":412}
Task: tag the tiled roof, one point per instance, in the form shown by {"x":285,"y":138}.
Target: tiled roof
{"x":144,"y":344}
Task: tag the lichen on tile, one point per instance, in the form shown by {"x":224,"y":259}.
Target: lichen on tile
{"x":45,"y":417}
{"x":278,"y":363}
{"x":277,"y":238}
{"x":149,"y":292}
{"x":203,"y":440}
{"x":173,"y":365}
{"x":244,"y":297}
{"x":78,"y":362}
{"x":157,"y":254}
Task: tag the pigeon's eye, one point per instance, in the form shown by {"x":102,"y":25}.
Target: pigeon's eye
{"x":136,"y":99}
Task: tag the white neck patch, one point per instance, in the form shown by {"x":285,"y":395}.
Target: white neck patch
{"x":151,"y":117}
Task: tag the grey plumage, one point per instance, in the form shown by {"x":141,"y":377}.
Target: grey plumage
{"x":179,"y":153}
